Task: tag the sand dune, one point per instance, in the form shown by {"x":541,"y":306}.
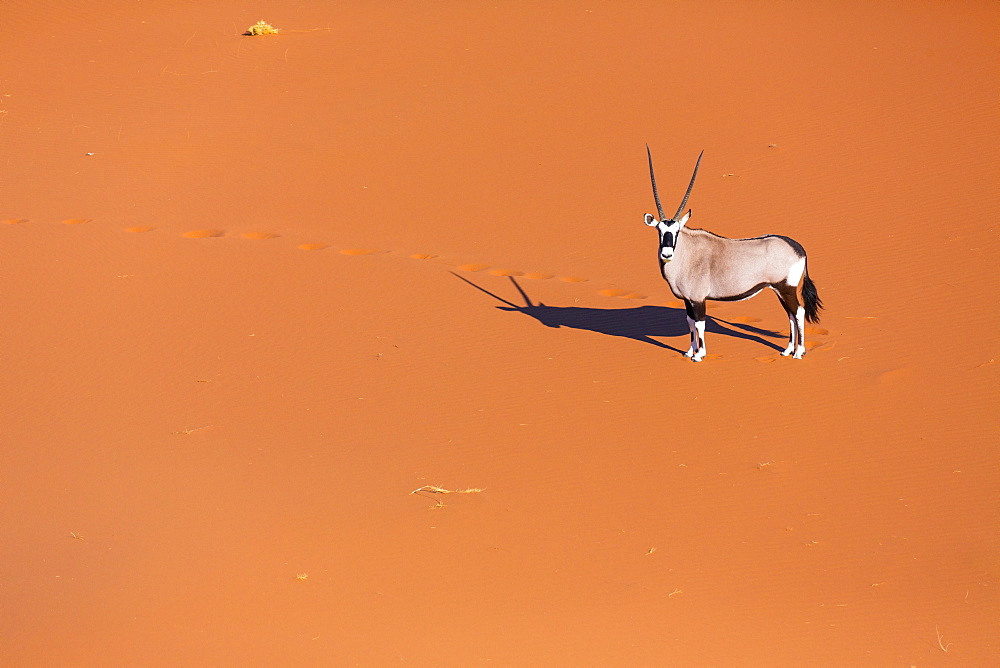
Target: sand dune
{"x":255,"y":292}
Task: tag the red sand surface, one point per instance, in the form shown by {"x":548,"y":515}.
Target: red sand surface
{"x":399,"y":245}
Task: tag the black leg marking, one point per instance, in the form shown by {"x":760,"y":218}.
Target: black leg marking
{"x":696,"y":322}
{"x":789,"y":298}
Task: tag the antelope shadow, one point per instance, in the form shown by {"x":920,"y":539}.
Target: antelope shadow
{"x":639,"y":323}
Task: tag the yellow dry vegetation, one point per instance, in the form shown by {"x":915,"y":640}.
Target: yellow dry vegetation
{"x":261,"y":28}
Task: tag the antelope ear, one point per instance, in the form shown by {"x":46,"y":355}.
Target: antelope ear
{"x":684,"y":219}
{"x":649,"y":220}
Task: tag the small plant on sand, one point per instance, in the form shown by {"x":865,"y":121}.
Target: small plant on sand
{"x":261,"y":28}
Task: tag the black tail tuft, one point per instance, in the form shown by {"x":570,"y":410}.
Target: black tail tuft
{"x":812,"y":301}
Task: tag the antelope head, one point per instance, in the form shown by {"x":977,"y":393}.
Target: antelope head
{"x":669,"y":228}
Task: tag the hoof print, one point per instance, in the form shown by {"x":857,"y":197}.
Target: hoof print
{"x":473,"y":267}
{"x":203,"y":234}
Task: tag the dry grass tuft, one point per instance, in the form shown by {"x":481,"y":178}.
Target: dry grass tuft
{"x":940,"y":639}
{"x":434,"y":489}
{"x":261,"y":28}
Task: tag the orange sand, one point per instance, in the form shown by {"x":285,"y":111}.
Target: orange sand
{"x":209,"y":437}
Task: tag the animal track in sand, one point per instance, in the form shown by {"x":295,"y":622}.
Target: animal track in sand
{"x":473,"y":267}
{"x":618,"y":292}
{"x":899,"y":376}
{"x":615,"y":292}
{"x":212,"y":233}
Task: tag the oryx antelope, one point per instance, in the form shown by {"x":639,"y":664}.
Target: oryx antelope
{"x":699,"y":265}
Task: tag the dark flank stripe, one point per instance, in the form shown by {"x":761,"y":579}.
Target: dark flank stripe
{"x":745,"y":295}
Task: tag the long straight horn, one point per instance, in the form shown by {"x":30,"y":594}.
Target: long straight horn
{"x":680,"y":210}
{"x":656,"y":196}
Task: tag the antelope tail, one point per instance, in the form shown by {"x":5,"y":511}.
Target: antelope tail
{"x":813,"y":303}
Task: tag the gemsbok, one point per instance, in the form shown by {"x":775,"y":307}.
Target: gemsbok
{"x":699,"y":265}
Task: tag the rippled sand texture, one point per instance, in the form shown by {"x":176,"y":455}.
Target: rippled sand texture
{"x":346,"y":345}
